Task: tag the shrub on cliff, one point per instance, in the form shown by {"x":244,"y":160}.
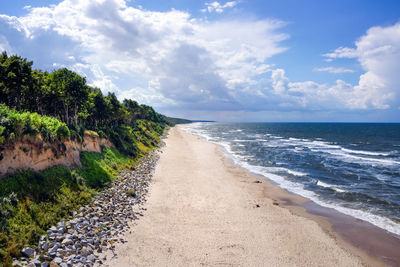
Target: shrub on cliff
{"x":14,"y":125}
{"x":63,"y":131}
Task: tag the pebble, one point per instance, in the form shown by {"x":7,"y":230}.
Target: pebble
{"x":28,"y":252}
{"x":57,"y":260}
{"x":96,"y":227}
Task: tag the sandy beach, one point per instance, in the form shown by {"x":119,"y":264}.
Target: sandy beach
{"x":203,"y":211}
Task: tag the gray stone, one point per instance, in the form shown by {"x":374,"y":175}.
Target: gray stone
{"x":69,"y":236}
{"x":57,"y":260}
{"x":67,"y":242}
{"x":36,"y":262}
{"x":45,"y":246}
{"x":52,"y":254}
{"x":28,"y":252}
{"x":54,"y":249}
{"x":91,"y":258}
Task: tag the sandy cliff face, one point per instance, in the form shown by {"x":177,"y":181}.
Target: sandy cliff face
{"x":33,"y":153}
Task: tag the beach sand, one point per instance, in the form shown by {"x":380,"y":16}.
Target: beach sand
{"x":204,"y":211}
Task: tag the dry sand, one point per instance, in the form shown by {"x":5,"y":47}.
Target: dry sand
{"x":203,"y":211}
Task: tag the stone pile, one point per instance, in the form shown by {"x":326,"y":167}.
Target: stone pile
{"x":96,"y":227}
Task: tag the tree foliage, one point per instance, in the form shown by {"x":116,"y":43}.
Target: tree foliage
{"x":65,"y":95}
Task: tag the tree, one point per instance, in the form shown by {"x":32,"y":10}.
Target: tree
{"x":15,"y":80}
{"x":99,"y":112}
{"x":117,"y":110}
{"x":71,"y":89}
{"x":133,"y":110}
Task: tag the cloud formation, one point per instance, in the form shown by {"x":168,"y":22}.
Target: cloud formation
{"x":181,"y":60}
{"x":217,"y":7}
{"x":334,"y":70}
{"x":378,"y":52}
{"x":176,"y":62}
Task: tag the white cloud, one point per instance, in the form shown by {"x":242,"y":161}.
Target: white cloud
{"x":342,"y":52}
{"x":171,"y":60}
{"x":279,"y":81}
{"x":194,"y":62}
{"x":334,"y":70}
{"x":217,"y":7}
{"x":4,"y":45}
{"x":379,"y":55}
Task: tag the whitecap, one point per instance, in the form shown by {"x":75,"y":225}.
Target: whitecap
{"x":322,"y":184}
{"x":370,"y":153}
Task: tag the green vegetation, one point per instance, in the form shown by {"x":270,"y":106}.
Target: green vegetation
{"x":60,"y":106}
{"x":31,"y":202}
{"x":99,"y":169}
{"x":174,"y":121}
{"x":131,"y":193}
{"x":14,"y":125}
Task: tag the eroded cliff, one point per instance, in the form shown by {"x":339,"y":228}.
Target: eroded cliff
{"x":34,"y":153}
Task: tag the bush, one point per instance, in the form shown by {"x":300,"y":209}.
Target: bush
{"x":63,"y":131}
{"x":14,"y":125}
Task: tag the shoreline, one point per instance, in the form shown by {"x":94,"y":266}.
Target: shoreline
{"x":374,"y":245}
{"x":202,"y":209}
{"x":370,"y":242}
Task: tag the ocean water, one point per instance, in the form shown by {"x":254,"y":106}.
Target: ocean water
{"x":351,"y":167}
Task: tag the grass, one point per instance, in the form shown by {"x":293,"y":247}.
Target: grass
{"x":99,"y":169}
{"x":131,"y":193}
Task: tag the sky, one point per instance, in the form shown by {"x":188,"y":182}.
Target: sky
{"x":240,"y":60}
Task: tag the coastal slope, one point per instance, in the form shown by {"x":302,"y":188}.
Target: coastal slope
{"x":202,"y":210}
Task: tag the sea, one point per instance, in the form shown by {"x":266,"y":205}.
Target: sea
{"x":353,"y":168}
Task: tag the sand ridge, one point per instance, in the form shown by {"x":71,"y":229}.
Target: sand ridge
{"x":202,"y":211}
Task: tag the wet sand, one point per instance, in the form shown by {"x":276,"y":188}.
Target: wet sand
{"x":204,"y":211}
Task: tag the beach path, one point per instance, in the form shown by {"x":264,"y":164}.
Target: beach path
{"x":202,"y":211}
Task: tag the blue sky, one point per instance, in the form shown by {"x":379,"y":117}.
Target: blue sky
{"x":245,"y":60}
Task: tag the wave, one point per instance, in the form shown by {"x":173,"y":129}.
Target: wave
{"x":370,"y":153}
{"x":322,"y":184}
{"x":282,"y":169}
{"x":249,"y":140}
{"x":363,"y":159}
{"x":296,"y":173}
{"x":324,"y":144}
{"x":343,"y":153}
